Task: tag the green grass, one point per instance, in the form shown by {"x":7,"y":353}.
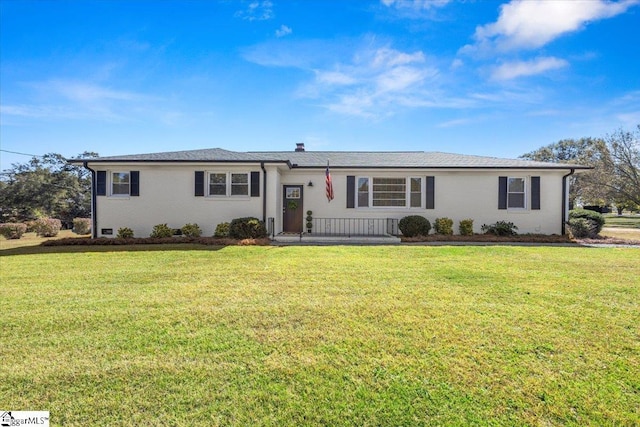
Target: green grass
{"x":624,"y":221}
{"x":403,"y":335}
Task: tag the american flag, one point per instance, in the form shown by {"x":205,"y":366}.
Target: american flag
{"x":329,"y":184}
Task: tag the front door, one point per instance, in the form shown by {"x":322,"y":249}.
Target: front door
{"x":292,"y":209}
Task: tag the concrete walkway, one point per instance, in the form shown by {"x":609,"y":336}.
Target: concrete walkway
{"x":310,"y":239}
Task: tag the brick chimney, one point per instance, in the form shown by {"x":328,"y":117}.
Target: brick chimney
{"x":299,"y":146}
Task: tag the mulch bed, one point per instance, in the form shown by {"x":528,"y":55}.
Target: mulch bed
{"x":216,"y":241}
{"x":103,"y":241}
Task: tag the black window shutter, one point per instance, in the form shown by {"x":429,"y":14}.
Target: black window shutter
{"x":199,"y":188}
{"x":135,"y":183}
{"x":502,"y":192}
{"x":535,"y":192}
{"x":351,"y":192}
{"x":255,"y":184}
{"x":101,"y":183}
{"x":430,"y":188}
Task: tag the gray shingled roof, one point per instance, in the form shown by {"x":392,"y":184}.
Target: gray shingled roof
{"x":338,"y":159}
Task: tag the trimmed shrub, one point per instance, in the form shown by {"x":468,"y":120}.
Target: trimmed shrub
{"x":596,"y":218}
{"x":82,"y":225}
{"x":48,"y":227}
{"x":31,"y":226}
{"x":124,"y":233}
{"x":466,"y":227}
{"x":12,"y":230}
{"x":500,"y":228}
{"x":414,"y":225}
{"x":443,"y":225}
{"x":222,"y":230}
{"x":247,"y":228}
{"x":582,"y":227}
{"x":309,"y":220}
{"x":191,"y":230}
{"x":161,"y":230}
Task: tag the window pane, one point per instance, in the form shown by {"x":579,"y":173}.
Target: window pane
{"x":416,"y":185}
{"x":516,"y":200}
{"x":218,"y":184}
{"x":416,"y":200}
{"x":239,"y":178}
{"x":416,"y":192}
{"x":239,"y":184}
{"x":120,"y":183}
{"x":516,"y":185}
{"x":389,"y":192}
{"x":292,"y":193}
{"x":363,"y":192}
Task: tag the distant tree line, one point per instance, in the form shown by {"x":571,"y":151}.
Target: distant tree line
{"x":46,"y":186}
{"x":615,"y":177}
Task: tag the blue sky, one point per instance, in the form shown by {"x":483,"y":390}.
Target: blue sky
{"x":472,"y":77}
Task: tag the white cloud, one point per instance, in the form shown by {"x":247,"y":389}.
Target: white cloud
{"x":257,"y":11}
{"x":532,"y":24}
{"x":87,"y":92}
{"x":456,"y":63}
{"x":514,"y":69}
{"x":334,"y":78}
{"x":283,"y":31}
{"x":374,"y":83}
{"x":76,"y":99}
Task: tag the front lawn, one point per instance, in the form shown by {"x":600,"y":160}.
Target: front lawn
{"x":624,"y":221}
{"x":338,"y":335}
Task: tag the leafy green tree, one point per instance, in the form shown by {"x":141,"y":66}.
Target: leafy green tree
{"x":615,"y":177}
{"x":46,"y":186}
{"x":585,"y":152}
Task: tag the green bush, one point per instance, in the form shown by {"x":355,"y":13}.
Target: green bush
{"x":595,"y":217}
{"x":161,"y":230}
{"x":191,"y":230}
{"x":48,"y":227}
{"x":466,"y":227}
{"x":222,"y":230}
{"x":12,"y":230}
{"x":443,"y":225}
{"x":582,"y":227}
{"x":500,"y":228}
{"x":82,"y":225}
{"x":124,"y":233}
{"x":414,"y":225}
{"x":247,"y":228}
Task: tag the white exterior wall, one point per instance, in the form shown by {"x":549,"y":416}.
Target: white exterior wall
{"x":459,"y":194}
{"x":167,"y":196}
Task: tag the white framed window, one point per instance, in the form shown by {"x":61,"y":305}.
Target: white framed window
{"x":516,"y":193}
{"x":239,"y":184}
{"x":390,"y":192}
{"x":120,"y":183}
{"x":363,"y":192}
{"x":228,"y":184}
{"x":415,"y":192}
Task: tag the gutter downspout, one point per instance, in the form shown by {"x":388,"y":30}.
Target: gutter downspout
{"x":264,"y":193}
{"x":94,"y":205}
{"x":565,"y":200}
